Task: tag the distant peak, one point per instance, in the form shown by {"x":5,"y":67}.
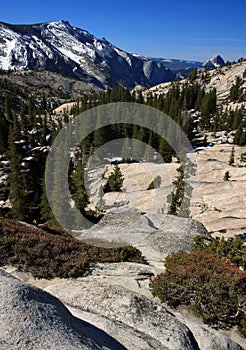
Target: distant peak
{"x":63,"y":21}
{"x":216,"y":58}
{"x":214,"y":61}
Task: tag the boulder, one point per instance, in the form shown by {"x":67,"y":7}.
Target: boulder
{"x":34,"y":319}
{"x":122,"y":225}
{"x":208,"y":339}
{"x":155,"y":235}
{"x":173,"y":234}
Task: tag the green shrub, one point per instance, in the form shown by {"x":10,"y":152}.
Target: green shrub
{"x":227,"y":176}
{"x":212,"y":287}
{"x":234,"y":250}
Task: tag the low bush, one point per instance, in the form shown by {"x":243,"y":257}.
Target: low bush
{"x":212,"y":287}
{"x":53,"y":253}
{"x":232,"y":249}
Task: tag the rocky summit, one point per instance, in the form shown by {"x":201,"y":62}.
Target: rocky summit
{"x":214,"y":62}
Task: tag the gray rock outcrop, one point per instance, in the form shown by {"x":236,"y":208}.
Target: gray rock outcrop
{"x":134,"y":320}
{"x":123,"y":306}
{"x":208,"y":339}
{"x":33,"y":319}
{"x":122,"y":225}
{"x":155,"y":235}
{"x":172,"y":235}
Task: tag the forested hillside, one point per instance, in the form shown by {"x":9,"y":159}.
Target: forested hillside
{"x":29,"y":125}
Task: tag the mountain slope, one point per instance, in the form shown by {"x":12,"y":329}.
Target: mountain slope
{"x":222,"y":79}
{"x":62,"y":48}
{"x":184,"y":67}
{"x":178,"y":65}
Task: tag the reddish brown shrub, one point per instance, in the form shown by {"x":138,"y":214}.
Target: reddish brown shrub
{"x":54,"y":253}
{"x":212,"y":287}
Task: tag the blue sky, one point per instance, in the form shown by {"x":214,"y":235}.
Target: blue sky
{"x":193,"y":30}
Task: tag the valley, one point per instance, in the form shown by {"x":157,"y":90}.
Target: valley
{"x":155,"y":258}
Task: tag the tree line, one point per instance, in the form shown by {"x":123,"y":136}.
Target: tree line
{"x":28,"y":129}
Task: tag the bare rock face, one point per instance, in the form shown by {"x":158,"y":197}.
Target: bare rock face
{"x":218,"y":204}
{"x":122,"y":225}
{"x":135,"y":311}
{"x":134,"y":320}
{"x":155,"y":235}
{"x":33,"y":319}
{"x":173,"y":234}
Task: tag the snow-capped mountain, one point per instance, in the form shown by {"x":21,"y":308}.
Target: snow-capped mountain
{"x":60,"y":47}
{"x":214,"y":62}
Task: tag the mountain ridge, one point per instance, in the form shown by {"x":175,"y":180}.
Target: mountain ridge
{"x":62,"y":48}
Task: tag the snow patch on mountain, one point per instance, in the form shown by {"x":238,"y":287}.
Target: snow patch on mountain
{"x":59,"y":47}
{"x":10,"y":44}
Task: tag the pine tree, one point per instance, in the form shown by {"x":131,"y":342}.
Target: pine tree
{"x":227,"y":176}
{"x":3,"y":133}
{"x":240,"y":136}
{"x":16,"y":181}
{"x":165,"y":150}
{"x":101,"y":202}
{"x":59,"y":196}
{"x":177,"y":195}
{"x":23,"y":117}
{"x":208,"y":108}
{"x":16,"y":129}
{"x":139,"y":97}
{"x":193,"y":74}
{"x":78,"y":190}
{"x":115,"y":180}
{"x":156,"y":183}
{"x":238,"y":117}
{"x":126,"y":151}
{"x":149,"y":154}
{"x":187,"y":125}
{"x":7,"y":109}
{"x":236,"y":90}
{"x":45,"y":211}
{"x":180,"y":197}
{"x":101,"y":134}
{"x":232,"y":156}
